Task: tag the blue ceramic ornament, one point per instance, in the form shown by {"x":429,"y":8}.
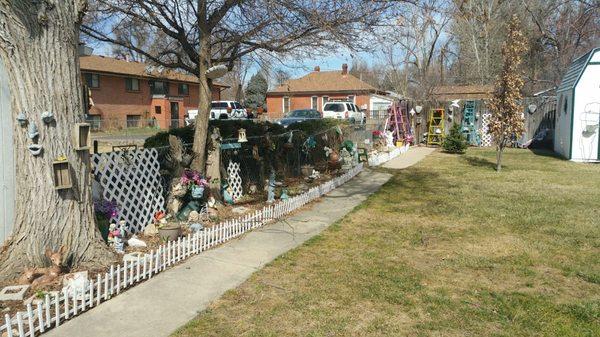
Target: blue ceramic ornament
{"x":47,"y":117}
{"x":32,"y":132}
{"x":22,"y":119}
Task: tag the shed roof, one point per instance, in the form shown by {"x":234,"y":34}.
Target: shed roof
{"x":324,"y":81}
{"x":575,"y":71}
{"x":104,"y":64}
{"x":449,"y":92}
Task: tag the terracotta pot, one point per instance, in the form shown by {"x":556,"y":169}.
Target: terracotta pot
{"x":306,"y":170}
{"x":169,"y":232}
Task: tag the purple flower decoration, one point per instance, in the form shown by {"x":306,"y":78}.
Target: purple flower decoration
{"x":110,"y":209}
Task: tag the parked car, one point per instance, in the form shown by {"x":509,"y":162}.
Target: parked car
{"x":220,"y":110}
{"x":301,"y":115}
{"x":344,"y":110}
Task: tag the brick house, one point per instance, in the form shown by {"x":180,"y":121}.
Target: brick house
{"x":133,"y":94}
{"x":318,"y":87}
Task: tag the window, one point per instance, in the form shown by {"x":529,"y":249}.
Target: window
{"x":351,"y":98}
{"x":335,"y":107}
{"x":159,"y":88}
{"x":325,"y":99}
{"x":313,"y":102}
{"x":133,"y":121}
{"x":183,"y":89}
{"x":286,"y":105}
{"x":157,"y":109}
{"x":132,"y":84}
{"x":95,"y":121}
{"x":218,"y":105}
{"x":236,"y":105}
{"x":92,"y":80}
{"x":349,"y":107}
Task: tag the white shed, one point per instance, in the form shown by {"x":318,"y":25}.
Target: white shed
{"x":7,"y":164}
{"x":576,"y":135}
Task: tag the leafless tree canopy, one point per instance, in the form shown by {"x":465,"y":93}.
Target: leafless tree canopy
{"x":236,"y":28}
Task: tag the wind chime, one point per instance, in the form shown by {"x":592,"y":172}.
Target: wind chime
{"x":436,"y":132}
{"x":397,"y":123}
{"x":468,"y":124}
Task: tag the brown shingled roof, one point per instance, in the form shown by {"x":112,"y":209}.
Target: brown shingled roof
{"x":450,"y":92}
{"x":103,"y":64}
{"x":324,"y":81}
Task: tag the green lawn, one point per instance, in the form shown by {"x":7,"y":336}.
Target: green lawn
{"x":446,"y":248}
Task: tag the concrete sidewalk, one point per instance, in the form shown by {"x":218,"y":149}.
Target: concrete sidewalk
{"x":413,"y":156}
{"x":172,"y":298}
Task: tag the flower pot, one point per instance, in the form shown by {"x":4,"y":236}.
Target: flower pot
{"x":306,"y":170}
{"x":169,"y":232}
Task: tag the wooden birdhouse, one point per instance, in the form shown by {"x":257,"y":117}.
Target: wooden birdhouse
{"x":81,"y":137}
{"x":62,"y":175}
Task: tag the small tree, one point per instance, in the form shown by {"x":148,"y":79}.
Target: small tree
{"x":256,"y":91}
{"x":506,"y":122}
{"x":455,"y":142}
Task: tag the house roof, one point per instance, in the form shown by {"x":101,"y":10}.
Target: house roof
{"x":575,"y":71}
{"x":324,"y":81}
{"x":103,"y":64}
{"x":449,"y":92}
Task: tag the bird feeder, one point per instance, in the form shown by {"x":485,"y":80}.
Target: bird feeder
{"x":418,"y":108}
{"x":62,"y":175}
{"x":242,"y":136}
{"x":81,"y":136}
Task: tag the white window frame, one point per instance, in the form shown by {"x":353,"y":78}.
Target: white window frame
{"x":315,"y":100}
{"x":283,"y":104}
{"x":324,"y":100}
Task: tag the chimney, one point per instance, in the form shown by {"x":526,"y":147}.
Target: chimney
{"x":345,"y":69}
{"x":317,"y":68}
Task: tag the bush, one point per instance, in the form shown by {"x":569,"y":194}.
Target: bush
{"x":455,"y":142}
{"x":227,"y":128}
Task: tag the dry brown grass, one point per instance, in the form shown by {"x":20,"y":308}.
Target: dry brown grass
{"x":446,"y":248}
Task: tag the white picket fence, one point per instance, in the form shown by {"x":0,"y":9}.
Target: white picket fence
{"x":55,"y":309}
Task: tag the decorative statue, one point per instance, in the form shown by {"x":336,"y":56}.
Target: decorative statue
{"x":346,"y":159}
{"x":284,"y":195}
{"x":271,"y":188}
{"x":115,"y":236}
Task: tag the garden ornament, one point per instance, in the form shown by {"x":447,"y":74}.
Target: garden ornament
{"x":455,"y":104}
{"x":284,"y":195}
{"x":211,"y":202}
{"x":196,"y":227}
{"x":32,"y":132}
{"x":22,"y":119}
{"x":217,"y":71}
{"x":532,"y":108}
{"x":47,"y":117}
{"x":242,"y":136}
{"x":227,"y":197}
{"x":418,"y":108}
{"x":271,"y":188}
{"x":136,"y":242}
{"x":197,"y":191}
{"x":412,"y":112}
{"x":35,"y":149}
{"x":38,"y":277}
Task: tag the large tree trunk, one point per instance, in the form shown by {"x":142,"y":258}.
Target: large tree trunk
{"x":205,"y":95}
{"x":38,"y":46}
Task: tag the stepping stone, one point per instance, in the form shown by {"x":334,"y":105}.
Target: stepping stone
{"x":13,"y":293}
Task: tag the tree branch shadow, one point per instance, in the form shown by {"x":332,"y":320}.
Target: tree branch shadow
{"x":479,"y":162}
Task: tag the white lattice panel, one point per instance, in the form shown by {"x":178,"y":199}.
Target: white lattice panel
{"x":486,"y":138}
{"x":234,"y":179}
{"x":132,"y":180}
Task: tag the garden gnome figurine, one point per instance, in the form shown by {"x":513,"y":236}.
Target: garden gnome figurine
{"x":284,"y":195}
{"x":271,"y":188}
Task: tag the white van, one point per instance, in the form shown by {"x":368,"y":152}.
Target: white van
{"x":343,"y":110}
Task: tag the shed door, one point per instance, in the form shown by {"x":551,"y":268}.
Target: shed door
{"x":7,"y":167}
